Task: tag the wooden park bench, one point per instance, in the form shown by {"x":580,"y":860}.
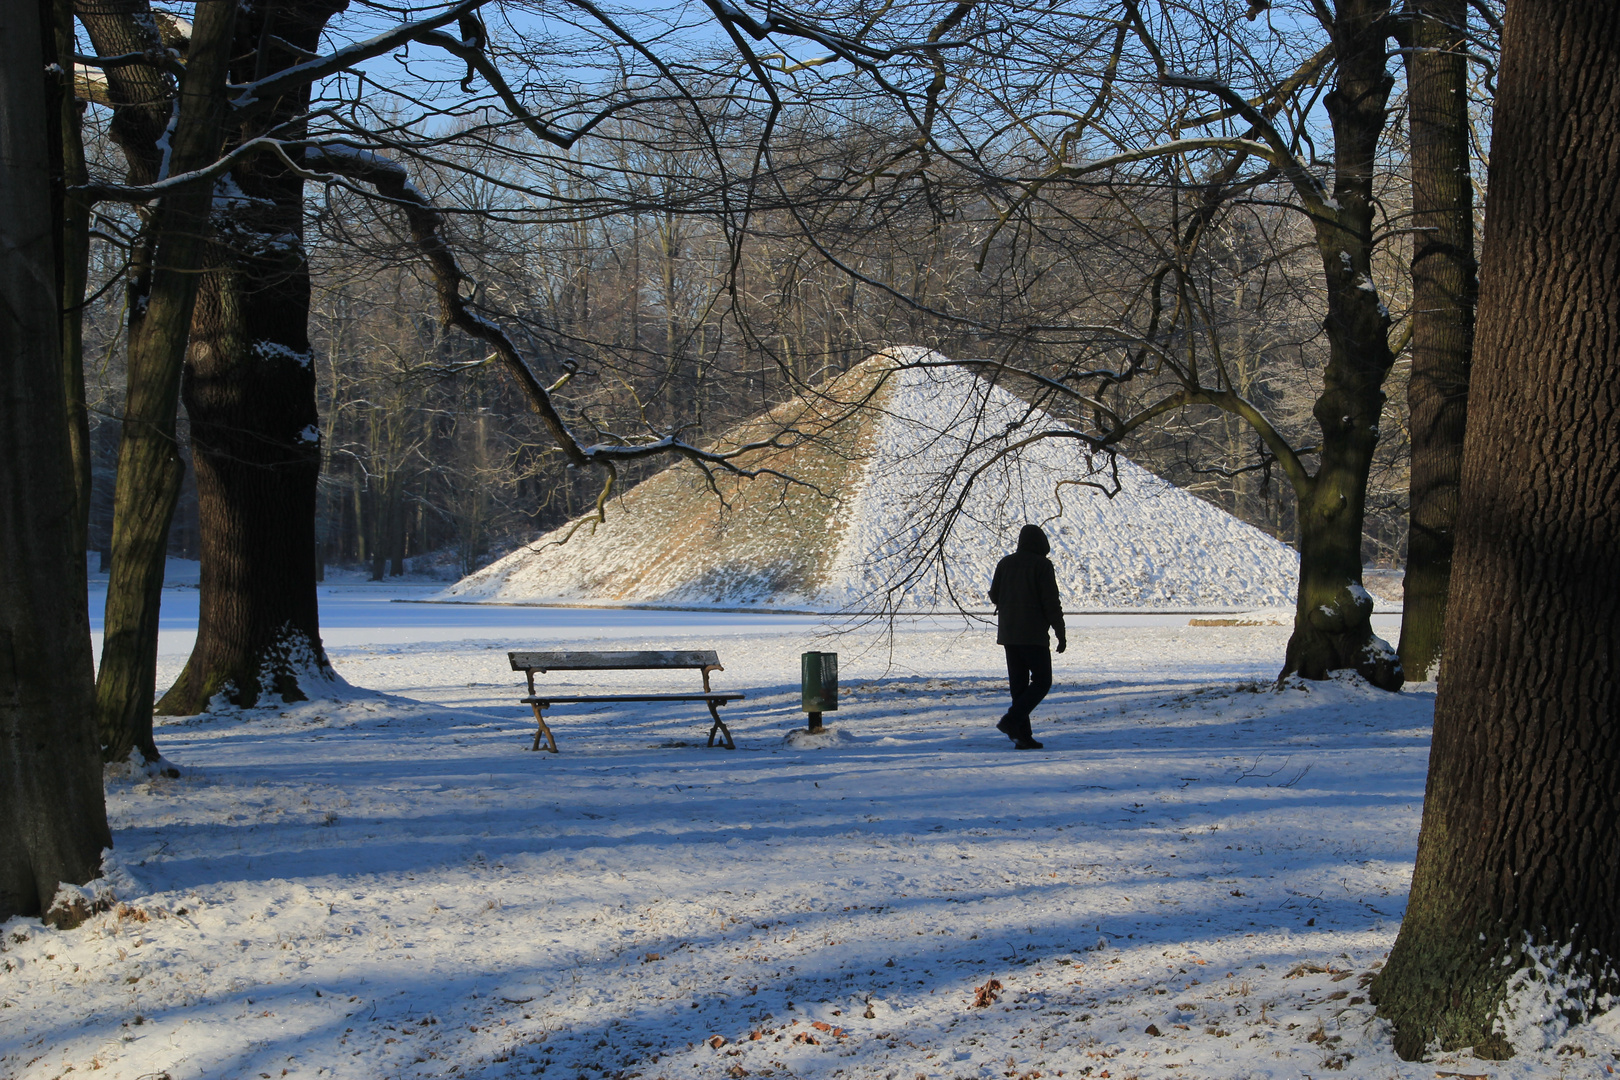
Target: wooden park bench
{"x":704,"y":660}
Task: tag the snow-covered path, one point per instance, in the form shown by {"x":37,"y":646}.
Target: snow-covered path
{"x":1192,"y":880}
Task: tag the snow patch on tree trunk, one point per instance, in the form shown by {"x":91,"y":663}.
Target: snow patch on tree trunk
{"x":291,"y":670}
{"x":1554,"y":990}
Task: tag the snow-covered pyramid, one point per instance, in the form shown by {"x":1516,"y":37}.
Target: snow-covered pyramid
{"x":905,"y":490}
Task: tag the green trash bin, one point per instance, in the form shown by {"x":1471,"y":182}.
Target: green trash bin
{"x":818,"y":676}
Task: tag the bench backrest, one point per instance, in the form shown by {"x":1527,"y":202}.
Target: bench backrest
{"x":604,"y":661}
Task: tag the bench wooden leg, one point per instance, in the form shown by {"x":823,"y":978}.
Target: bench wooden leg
{"x":540,"y":719}
{"x":720,"y":726}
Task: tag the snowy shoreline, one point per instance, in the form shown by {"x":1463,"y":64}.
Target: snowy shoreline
{"x":762,"y":609}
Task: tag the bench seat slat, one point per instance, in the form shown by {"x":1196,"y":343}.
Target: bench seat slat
{"x":566,"y":700}
{"x":532,"y":662}
{"x":607,"y":661}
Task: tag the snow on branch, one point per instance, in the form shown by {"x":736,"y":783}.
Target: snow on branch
{"x":141,"y":193}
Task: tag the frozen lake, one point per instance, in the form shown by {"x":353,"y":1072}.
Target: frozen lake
{"x":355,"y":615}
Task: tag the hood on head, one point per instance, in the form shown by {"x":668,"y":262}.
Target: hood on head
{"x":1032,"y":541}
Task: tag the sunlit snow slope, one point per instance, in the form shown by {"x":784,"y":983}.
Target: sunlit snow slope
{"x":884,"y":517}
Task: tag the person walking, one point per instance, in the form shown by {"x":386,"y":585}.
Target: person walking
{"x":1025,"y":593}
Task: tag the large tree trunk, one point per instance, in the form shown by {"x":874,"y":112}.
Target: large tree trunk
{"x":74,"y":214}
{"x":249,"y":390}
{"x":379,"y":503}
{"x":149,"y":466}
{"x":1444,"y":286}
{"x":396,"y":528}
{"x":1333,"y":618}
{"x":53,"y":822}
{"x":1519,"y":855}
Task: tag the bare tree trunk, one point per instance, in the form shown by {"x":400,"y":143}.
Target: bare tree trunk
{"x":1444,"y":286}
{"x":1519,"y":855}
{"x":380,"y":502}
{"x":149,"y":467}
{"x":140,"y":94}
{"x":53,"y":822}
{"x":635,"y":282}
{"x":396,"y":527}
{"x":1333,"y":619}
{"x":669,"y":253}
{"x":249,"y":391}
{"x":74,"y":214}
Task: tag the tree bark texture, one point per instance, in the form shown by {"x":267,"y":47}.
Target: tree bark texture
{"x":1333,"y":617}
{"x":1519,"y":854}
{"x":149,"y":466}
{"x":74,"y":214}
{"x":53,"y":822}
{"x":249,"y":391}
{"x":380,"y":488}
{"x":140,"y":95}
{"x":1444,"y":289}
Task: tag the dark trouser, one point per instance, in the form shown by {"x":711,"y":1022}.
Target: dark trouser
{"x":1029,"y":677}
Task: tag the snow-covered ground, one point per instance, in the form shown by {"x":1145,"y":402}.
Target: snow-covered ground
{"x":1193,"y":880}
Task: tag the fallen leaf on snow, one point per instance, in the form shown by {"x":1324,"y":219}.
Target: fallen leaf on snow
{"x":985,"y":996}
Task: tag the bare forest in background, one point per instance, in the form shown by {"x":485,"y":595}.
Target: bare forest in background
{"x":623,"y":257}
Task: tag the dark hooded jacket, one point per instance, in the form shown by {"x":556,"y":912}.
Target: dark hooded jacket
{"x":1025,"y":592}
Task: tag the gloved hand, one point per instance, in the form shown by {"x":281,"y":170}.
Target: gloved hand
{"x":1063,"y":643}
